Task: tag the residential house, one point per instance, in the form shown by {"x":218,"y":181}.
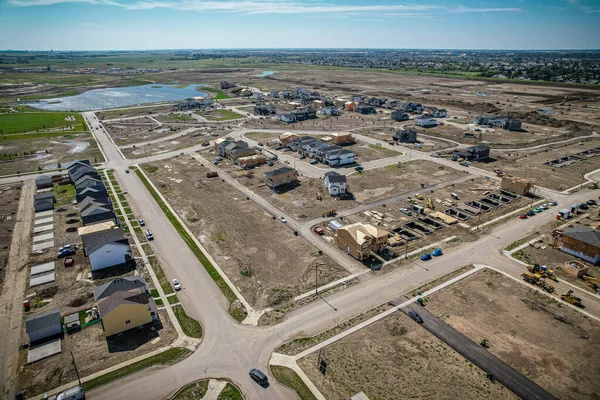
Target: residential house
{"x":582,"y":242}
{"x":376,"y":101}
{"x":437,"y":112}
{"x":245,"y":92}
{"x":132,"y":284}
{"x":220,"y":146}
{"x":80,"y":168}
{"x":342,"y":138}
{"x":281,"y":176}
{"x":43,"y":325}
{"x":405,"y":136}
{"x":507,"y":123}
{"x":516,"y":185}
{"x":340,"y":102}
{"x":258,"y":95}
{"x":351,"y":106}
{"x":301,"y":143}
{"x":239,"y":149}
{"x":264,"y":109}
{"x":105,"y":246}
{"x":335,"y":156}
{"x":312,"y":148}
{"x":87,"y":180}
{"x":364,"y":109}
{"x":304,"y":114}
{"x":96,"y":210}
{"x":335,"y":183}
{"x":287,"y":118}
{"x":274,"y":94}
{"x":425,"y":121}
{"x":227,"y":85}
{"x":43,"y":181}
{"x":411,"y":107}
{"x":330,"y":110}
{"x":124,"y":310}
{"x":478,"y":152}
{"x":360,"y":240}
{"x":94,"y":192}
{"x":43,"y":201}
{"x":286,"y":138}
{"x":400,"y":115}
{"x":252,"y":161}
{"x":197,"y":103}
{"x":390,"y":104}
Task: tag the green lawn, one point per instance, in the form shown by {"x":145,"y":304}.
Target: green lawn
{"x":25,"y":136}
{"x":170,"y":356}
{"x":160,"y":275}
{"x":214,"y":274}
{"x":220,"y":115}
{"x":178,"y":117}
{"x":289,"y":378}
{"x":193,"y":391}
{"x":230,"y":393}
{"x":190,"y":326}
{"x":220,"y":95}
{"x":32,"y":121}
{"x":173,"y":299}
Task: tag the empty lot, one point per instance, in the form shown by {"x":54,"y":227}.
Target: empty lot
{"x":551,"y":344}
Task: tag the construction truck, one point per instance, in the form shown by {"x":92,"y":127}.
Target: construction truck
{"x":537,"y":280}
{"x":330,"y":213}
{"x":570,"y":297}
{"x":543,"y":271}
{"x":430,"y":204}
{"x":593,"y":282}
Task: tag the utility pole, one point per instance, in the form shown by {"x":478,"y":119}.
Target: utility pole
{"x":316,"y":279}
{"x":479,"y":217}
{"x":76,"y":372}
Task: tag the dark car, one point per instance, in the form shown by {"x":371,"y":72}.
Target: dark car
{"x":415,"y":315}
{"x":591,"y":202}
{"x":69,"y":251}
{"x":583,"y":206}
{"x":258,"y":377}
{"x":530,"y":213}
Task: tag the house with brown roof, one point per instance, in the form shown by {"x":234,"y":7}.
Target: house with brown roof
{"x":360,"y":240}
{"x":124,"y":310}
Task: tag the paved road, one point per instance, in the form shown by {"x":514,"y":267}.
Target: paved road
{"x":230,"y":349}
{"x":502,"y":372}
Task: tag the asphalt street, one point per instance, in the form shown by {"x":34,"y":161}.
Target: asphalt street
{"x":502,"y":372}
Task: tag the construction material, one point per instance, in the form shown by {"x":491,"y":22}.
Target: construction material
{"x":444,"y":218}
{"x":516,"y":185}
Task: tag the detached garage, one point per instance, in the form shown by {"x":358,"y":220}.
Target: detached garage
{"x":43,"y":201}
{"x":43,"y":326}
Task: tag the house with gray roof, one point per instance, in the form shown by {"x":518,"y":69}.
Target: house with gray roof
{"x":43,"y":181}
{"x":132,"y":284}
{"x":107,"y":249}
{"x":582,"y":242}
{"x":335,"y":183}
{"x":94,"y":192}
{"x":43,"y":201}
{"x":44,"y":325}
{"x":96,"y":210}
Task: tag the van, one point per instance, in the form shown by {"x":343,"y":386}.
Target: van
{"x":149,"y":235}
{"x":74,"y":393}
{"x":258,"y":376}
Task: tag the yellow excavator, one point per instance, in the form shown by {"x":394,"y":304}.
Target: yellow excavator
{"x":593,"y":282}
{"x":543,"y":271}
{"x":537,"y":280}
{"x":570,"y":297}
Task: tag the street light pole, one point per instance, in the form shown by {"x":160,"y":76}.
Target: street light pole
{"x":316,"y":279}
{"x":76,"y":372}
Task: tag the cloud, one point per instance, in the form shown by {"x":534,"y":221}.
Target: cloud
{"x":462,"y":9}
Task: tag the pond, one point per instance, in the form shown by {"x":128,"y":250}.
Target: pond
{"x":99,"y":99}
{"x":266,"y":73}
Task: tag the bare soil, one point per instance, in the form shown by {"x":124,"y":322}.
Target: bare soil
{"x":9,"y":203}
{"x":227,"y":224}
{"x":395,"y":358}
{"x":546,"y":341}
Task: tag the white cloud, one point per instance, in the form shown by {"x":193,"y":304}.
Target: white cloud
{"x":462,"y":9}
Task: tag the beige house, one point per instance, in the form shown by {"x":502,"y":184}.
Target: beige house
{"x":516,"y":185}
{"x":341,"y":138}
{"x":252,"y":161}
{"x":360,"y":240}
{"x":287,"y":138}
{"x":280,"y":176}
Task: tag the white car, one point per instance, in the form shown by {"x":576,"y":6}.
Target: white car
{"x":552,"y":203}
{"x":544,"y":206}
{"x":282,"y":219}
{"x":176,"y":284}
{"x":406,"y":211}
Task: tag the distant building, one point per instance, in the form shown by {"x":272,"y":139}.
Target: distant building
{"x":582,"y":242}
{"x":335,"y":156}
{"x":237,"y":150}
{"x":265,"y":109}
{"x":474,"y":153}
{"x":330,"y":110}
{"x":43,"y":201}
{"x":287,"y":118}
{"x":281,"y":176}
{"x":399,"y":115}
{"x":342,"y":138}
{"x":405,"y":136}
{"x":364,"y":109}
{"x":425,"y":121}
{"x":252,"y":161}
{"x":335,"y":183}
{"x":198,"y":103}
{"x":227,"y":85}
{"x":43,"y":181}
{"x":437,"y":112}
{"x":516,"y":185}
{"x":507,"y":123}
{"x":304,"y":114}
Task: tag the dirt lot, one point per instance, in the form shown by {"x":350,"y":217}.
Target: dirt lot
{"x":379,"y":183}
{"x":425,"y":144}
{"x":227,"y":224}
{"x":9,"y":203}
{"x":93,"y":352}
{"x":416,"y":365}
{"x":135,"y":112}
{"x":549,"y":343}
{"x":530,"y":165}
{"x":49,"y":152}
{"x":193,"y":138}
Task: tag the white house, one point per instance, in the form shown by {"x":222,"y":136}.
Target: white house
{"x":425,"y":121}
{"x":336,"y":156}
{"x":336,"y":184}
{"x":106,"y":247}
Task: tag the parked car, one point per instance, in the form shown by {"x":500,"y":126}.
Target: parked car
{"x":313,"y":162}
{"x":426,"y":257}
{"x":406,"y":211}
{"x":552,"y":203}
{"x":415,"y":315}
{"x":149,"y":235}
{"x":584,"y":206}
{"x":544,"y":206}
{"x":286,"y":161}
{"x":282,"y":219}
{"x":258,"y":377}
{"x":176,"y":284}
{"x":378,"y":144}
{"x":69,"y":251}
{"x":74,"y":393}
{"x":437,"y":253}
{"x":141,"y":222}
{"x":591,"y":202}
{"x":126,"y":171}
{"x":464,"y":163}
{"x":392,"y":143}
{"x":523,"y":216}
{"x":204,"y":144}
{"x":260,"y":144}
{"x":537,"y":210}
{"x":435,"y":155}
{"x":530,"y":213}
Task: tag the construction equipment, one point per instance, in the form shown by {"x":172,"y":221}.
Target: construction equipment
{"x":570,"y":297}
{"x":418,"y":196}
{"x":430,"y":204}
{"x":537,"y":280}
{"x":319,"y":197}
{"x":593,"y":282}
{"x":499,"y":172}
{"x":331,"y":213}
{"x":543,"y":271}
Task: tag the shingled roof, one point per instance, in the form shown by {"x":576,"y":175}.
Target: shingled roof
{"x":125,"y":284}
{"x":584,"y":234}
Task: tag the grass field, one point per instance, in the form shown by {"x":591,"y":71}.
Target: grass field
{"x":39,"y":121}
{"x":190,"y":326}
{"x":220,"y":115}
{"x":289,"y":378}
{"x":219,"y":93}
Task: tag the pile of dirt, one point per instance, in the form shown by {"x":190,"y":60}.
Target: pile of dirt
{"x":535,"y":118}
{"x":480,"y":108}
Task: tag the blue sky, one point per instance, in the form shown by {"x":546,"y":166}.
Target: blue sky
{"x":201,"y":24}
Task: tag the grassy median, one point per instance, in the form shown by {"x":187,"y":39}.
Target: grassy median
{"x":214,"y":274}
{"x":168,"y":357}
{"x":287,"y":377}
{"x":190,"y":326}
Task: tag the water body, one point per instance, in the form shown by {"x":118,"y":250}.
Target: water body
{"x":266,"y":73}
{"x":99,"y":99}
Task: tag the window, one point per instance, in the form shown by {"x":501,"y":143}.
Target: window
{"x":127,"y":322}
